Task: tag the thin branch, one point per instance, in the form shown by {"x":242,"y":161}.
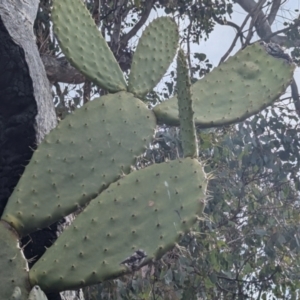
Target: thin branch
{"x":87,"y":87}
{"x":126,"y":37}
{"x":248,"y":281}
{"x":240,"y":30}
{"x":253,"y":21}
{"x":229,"y":23}
{"x":115,"y":37}
{"x":96,"y":11}
{"x":274,"y":10}
{"x":263,"y":27}
{"x":284,"y":30}
{"x":60,"y":70}
{"x":260,"y":291}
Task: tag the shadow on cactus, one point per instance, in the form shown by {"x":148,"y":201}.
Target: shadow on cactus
{"x":134,"y":217}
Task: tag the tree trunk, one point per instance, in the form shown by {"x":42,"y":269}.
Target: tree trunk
{"x":26,"y":106}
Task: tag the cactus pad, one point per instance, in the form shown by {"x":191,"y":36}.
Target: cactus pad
{"x":14,"y":271}
{"x":84,"y":46}
{"x":77,"y":160}
{"x":242,"y":86}
{"x":155,"y":51}
{"x":149,"y":209}
{"x":185,"y":106}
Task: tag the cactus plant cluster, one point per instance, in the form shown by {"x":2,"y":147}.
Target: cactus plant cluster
{"x":87,"y":159}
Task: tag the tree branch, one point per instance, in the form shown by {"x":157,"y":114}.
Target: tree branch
{"x":254,"y":16}
{"x":274,"y":10}
{"x":229,"y":23}
{"x":60,"y":70}
{"x":125,"y":38}
{"x":115,"y":37}
{"x":263,"y":27}
{"x":251,"y":13}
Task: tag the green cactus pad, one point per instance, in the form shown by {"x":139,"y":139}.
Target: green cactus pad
{"x":37,"y":294}
{"x":84,"y":46}
{"x":149,"y":209}
{"x":185,"y":106}
{"x":77,"y":160}
{"x":242,"y":86}
{"x":155,"y":51}
{"x":14,"y":271}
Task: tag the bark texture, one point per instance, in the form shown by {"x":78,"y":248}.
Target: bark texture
{"x":18,"y":17}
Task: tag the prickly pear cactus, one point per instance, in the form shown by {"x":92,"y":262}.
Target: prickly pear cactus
{"x":84,"y":45}
{"x":117,"y":126}
{"x":79,"y":159}
{"x":185,"y":107}
{"x":242,"y":86}
{"x":149,"y":209}
{"x":130,"y":218}
{"x":15,"y":281}
{"x":153,"y":201}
